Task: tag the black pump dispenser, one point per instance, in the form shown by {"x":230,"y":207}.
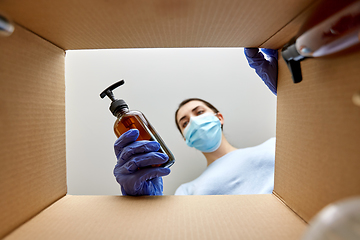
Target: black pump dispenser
{"x":116,"y":104}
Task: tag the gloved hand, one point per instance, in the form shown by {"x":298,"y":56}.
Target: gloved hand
{"x":266,"y":69}
{"x":133,"y":158}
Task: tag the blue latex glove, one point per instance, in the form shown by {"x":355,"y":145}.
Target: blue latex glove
{"x":266,"y":69}
{"x":133,"y":170}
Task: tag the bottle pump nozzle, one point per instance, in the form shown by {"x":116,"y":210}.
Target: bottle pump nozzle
{"x":116,"y":104}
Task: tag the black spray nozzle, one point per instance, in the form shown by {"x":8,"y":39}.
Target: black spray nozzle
{"x":293,"y":58}
{"x":116,"y":104}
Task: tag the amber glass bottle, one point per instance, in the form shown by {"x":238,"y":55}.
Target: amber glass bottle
{"x":130,"y":119}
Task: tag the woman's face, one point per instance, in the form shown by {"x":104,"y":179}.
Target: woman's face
{"x":192,"y":109}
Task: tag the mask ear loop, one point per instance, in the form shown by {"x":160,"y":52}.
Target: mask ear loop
{"x":217,"y":115}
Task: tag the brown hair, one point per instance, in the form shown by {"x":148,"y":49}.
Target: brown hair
{"x":193,"y":99}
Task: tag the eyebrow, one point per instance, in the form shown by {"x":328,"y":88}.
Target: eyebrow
{"x":194,"y":109}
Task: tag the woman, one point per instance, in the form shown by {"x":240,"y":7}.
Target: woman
{"x":229,"y":170}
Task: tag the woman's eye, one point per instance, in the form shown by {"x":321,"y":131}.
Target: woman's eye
{"x":184,"y":124}
{"x":200,"y":112}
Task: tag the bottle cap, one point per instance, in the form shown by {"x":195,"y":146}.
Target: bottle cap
{"x":116,"y":104}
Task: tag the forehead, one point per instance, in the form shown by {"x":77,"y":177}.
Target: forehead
{"x":188,"y":107}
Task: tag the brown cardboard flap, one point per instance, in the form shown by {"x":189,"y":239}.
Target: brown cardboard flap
{"x":318,"y":133}
{"x":32,"y":123}
{"x":164,"y":217}
{"x":92,"y":24}
{"x":289,"y":31}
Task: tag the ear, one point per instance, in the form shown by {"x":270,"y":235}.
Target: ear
{"x":220,"y":117}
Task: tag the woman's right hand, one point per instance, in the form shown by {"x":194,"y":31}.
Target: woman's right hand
{"x":134,"y":171}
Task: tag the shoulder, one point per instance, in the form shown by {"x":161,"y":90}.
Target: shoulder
{"x":259,"y":153}
{"x":184,"y":189}
{"x":192,"y":187}
{"x":268,"y":145}
{"x":270,"y":141}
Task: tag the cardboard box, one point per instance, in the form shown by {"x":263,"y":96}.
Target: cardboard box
{"x":318,"y":130}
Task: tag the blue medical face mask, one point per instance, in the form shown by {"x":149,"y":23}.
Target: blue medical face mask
{"x":204,"y":132}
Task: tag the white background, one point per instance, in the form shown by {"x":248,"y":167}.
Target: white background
{"x":156,"y":81}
